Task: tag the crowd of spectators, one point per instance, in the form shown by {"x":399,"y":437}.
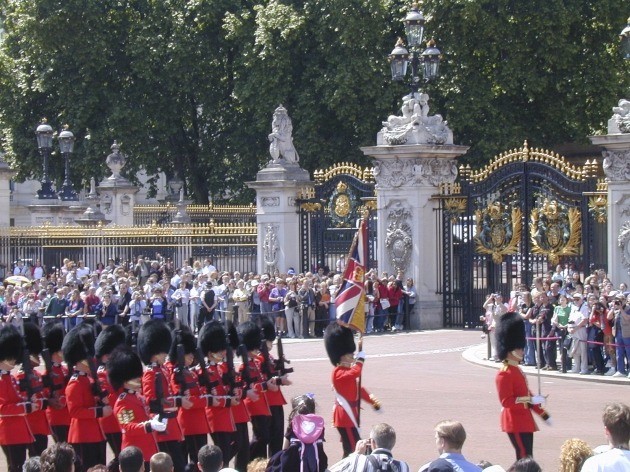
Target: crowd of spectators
{"x":581,"y":325}
{"x":300,"y":304}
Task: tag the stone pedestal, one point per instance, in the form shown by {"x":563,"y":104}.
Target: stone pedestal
{"x":616,"y":166}
{"x":406,"y":178}
{"x":6,"y":174}
{"x":117,"y":200}
{"x":277,"y":186}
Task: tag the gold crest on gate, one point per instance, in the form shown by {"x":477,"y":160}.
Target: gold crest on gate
{"x":498,"y":231}
{"x":555,"y":230}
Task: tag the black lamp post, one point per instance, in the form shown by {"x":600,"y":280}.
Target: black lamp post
{"x":66,"y":145}
{"x":423,"y":63}
{"x":44,"y":135}
{"x":625,"y":41}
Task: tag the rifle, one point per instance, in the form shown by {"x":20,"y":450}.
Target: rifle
{"x":47,"y":378}
{"x":266,"y":364}
{"x":229,"y":378}
{"x":204,"y":378}
{"x":97,"y":387}
{"x":247,"y":379}
{"x":29,"y":383}
{"x":180,"y":369}
{"x":281,"y":361}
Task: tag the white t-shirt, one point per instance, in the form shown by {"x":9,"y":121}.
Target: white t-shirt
{"x":615,"y":460}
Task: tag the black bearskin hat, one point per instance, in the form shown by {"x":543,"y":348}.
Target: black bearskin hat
{"x":268,"y":329}
{"x":510,"y":334}
{"x":232,"y":336}
{"x":109,"y":339}
{"x":33,"y":338}
{"x":78,"y":344}
{"x":10,"y":343}
{"x":52,"y":335}
{"x":184,"y":337}
{"x":123,"y":365}
{"x":154,"y":338}
{"x":249,"y":333}
{"x":212,"y":337}
{"x":339,"y":341}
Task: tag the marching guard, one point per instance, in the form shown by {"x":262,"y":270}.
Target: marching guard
{"x":109,"y":339}
{"x":83,"y":395}
{"x":340,"y":346}
{"x":125,"y":371}
{"x":15,"y":434}
{"x":517,"y":401}
{"x":154,"y":342}
{"x":241,"y":415}
{"x":57,"y":411}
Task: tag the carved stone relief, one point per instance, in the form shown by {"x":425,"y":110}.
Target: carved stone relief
{"x":424,"y":171}
{"x":624,"y":243}
{"x":617,"y":165}
{"x":399,"y":240}
{"x":270,"y":201}
{"x":271,"y":248}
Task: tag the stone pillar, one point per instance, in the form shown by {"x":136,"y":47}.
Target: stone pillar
{"x":616,"y":166}
{"x":277,"y":186}
{"x":6,"y":174}
{"x":406,"y":179}
{"x":116,"y":192}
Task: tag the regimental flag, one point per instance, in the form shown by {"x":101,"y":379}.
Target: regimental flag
{"x":350,"y":299}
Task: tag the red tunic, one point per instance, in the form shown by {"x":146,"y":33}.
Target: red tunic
{"x":259,"y":407}
{"x":109,"y":424}
{"x":37,"y":420}
{"x":84,"y":411}
{"x":132,"y":414}
{"x":516,"y":416}
{"x":173,"y":431}
{"x":192,"y":420}
{"x":220,"y":417}
{"x":57,"y":411}
{"x":13,"y":408}
{"x":274,"y":398}
{"x":344,"y":382}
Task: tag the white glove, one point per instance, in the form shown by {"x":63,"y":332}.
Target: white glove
{"x":537,"y":400}
{"x":361,"y":355}
{"x":549,"y":422}
{"x":157,"y":425}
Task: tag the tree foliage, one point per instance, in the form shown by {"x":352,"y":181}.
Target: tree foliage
{"x":189,"y":86}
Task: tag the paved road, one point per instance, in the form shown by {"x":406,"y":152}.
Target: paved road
{"x":422,"y":378}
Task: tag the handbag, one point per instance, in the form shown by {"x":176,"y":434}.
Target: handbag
{"x":385,"y":303}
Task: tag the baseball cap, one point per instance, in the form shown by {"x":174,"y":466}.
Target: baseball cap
{"x":291,"y":271}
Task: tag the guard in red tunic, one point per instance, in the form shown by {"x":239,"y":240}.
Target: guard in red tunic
{"x":57,"y":411}
{"x":185,"y":383}
{"x":85,"y":403}
{"x":108,"y":340}
{"x":124,"y":369}
{"x":154,"y":342}
{"x":274,"y":397}
{"x":15,"y":435}
{"x":32,"y":384}
{"x":340,"y":346}
{"x":517,"y":401}
{"x":257,"y":405}
{"x":213,"y":343}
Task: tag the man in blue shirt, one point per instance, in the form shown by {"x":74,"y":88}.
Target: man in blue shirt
{"x":449,"y":439}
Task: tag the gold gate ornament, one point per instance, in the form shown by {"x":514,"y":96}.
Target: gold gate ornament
{"x":498,"y":231}
{"x":556,"y":230}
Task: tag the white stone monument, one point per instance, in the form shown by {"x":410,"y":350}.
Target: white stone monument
{"x":117,"y":193}
{"x":414,"y":155}
{"x":277,"y":186}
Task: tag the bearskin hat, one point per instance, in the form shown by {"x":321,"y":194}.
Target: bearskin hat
{"x":267,"y":329}
{"x":339,"y":341}
{"x":123,"y":365}
{"x":249,"y":333}
{"x":109,"y":339}
{"x":33,"y":338}
{"x":78,"y":344}
{"x":510,"y":334}
{"x":233,"y":336}
{"x":52,"y":335}
{"x":10,"y":343}
{"x":154,"y":338}
{"x":212,"y":337}
{"x":184,"y":337}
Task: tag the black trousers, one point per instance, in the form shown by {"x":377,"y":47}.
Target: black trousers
{"x":90,"y":454}
{"x":227,"y":443}
{"x":16,"y":456}
{"x":193,"y":443}
{"x":115,"y":442}
{"x":176,"y":451}
{"x":242,"y":447}
{"x":37,"y":447}
{"x":276,"y":429}
{"x":349,"y":439}
{"x":523,"y":444}
{"x":260,"y":436}
{"x":60,"y":433}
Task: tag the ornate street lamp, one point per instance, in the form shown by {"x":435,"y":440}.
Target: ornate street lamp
{"x":66,"y":145}
{"x":44,"y":135}
{"x":625,"y":41}
{"x":424,"y":64}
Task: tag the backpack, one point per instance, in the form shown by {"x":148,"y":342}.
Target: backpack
{"x":304,"y":452}
{"x":388,"y":465}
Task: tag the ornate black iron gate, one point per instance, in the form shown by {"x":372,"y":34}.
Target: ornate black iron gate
{"x":514,"y":220}
{"x":330,"y":214}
